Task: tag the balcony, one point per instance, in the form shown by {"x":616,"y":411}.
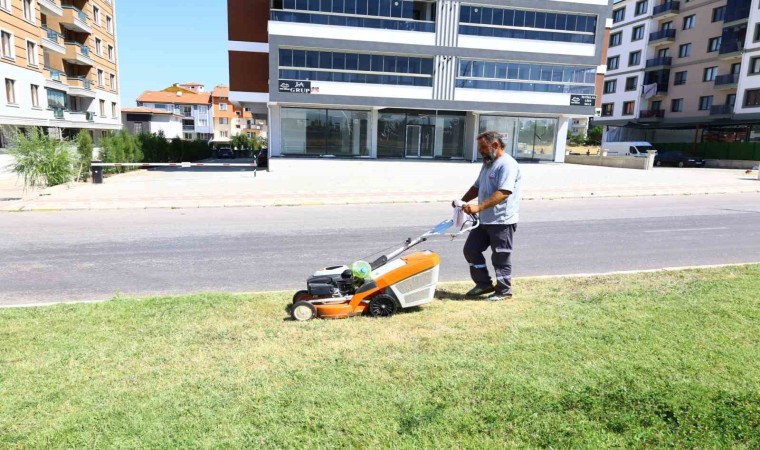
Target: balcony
{"x":737,"y":12}
{"x":188,"y":128}
{"x":651,"y":114}
{"x":78,"y":54}
{"x":721,"y":110}
{"x":662,"y":37}
{"x":730,"y":81}
{"x":56,"y":79}
{"x":659,"y":63}
{"x":80,"y":87}
{"x":665,"y":10}
{"x":75,"y":20}
{"x":57,"y":113}
{"x":50,"y":8}
{"x":52,"y":41}
{"x":731,"y":44}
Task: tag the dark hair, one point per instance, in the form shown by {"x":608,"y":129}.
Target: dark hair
{"x":492,"y":136}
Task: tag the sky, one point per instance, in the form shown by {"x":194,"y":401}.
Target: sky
{"x":161,"y":42}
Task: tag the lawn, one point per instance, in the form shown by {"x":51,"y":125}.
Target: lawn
{"x":652,"y":360}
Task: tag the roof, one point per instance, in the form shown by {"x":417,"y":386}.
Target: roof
{"x":201,"y":98}
{"x":192,"y":83}
{"x":144,"y":110}
{"x":221,"y":91}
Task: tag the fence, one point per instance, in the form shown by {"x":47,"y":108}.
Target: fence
{"x":748,"y":151}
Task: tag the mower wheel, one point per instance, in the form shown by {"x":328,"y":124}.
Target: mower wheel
{"x":303,"y":311}
{"x":382,"y":306}
{"x":301,"y":295}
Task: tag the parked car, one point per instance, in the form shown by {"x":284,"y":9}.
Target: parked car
{"x":262,"y":160}
{"x":633,"y":148}
{"x":678,"y":159}
{"x":225,"y":152}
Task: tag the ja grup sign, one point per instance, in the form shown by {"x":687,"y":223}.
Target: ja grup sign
{"x":582,"y":100}
{"x":295,"y":87}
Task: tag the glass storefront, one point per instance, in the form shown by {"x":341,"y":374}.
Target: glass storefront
{"x":527,"y":137}
{"x":420,"y":134}
{"x":307,"y":131}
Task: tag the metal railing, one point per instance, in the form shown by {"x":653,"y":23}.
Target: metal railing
{"x":83,"y":49}
{"x":55,"y":75}
{"x":662,"y":61}
{"x":51,"y":35}
{"x":730,"y":46}
{"x":652,"y":113}
{"x":721,"y":110}
{"x":665,"y":7}
{"x":80,"y":15}
{"x":662,"y":34}
{"x":731,"y":78}
{"x":84,"y":82}
{"x":57,"y":112}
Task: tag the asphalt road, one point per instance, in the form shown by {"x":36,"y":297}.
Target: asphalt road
{"x":94,"y":255}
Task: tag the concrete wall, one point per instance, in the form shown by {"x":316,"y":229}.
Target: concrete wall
{"x":730,"y":164}
{"x":623,"y":162}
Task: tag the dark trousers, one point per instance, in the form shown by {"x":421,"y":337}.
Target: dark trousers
{"x":499,"y":238}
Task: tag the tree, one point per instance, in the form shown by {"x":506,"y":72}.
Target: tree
{"x":241,"y":141}
{"x":595,"y":136}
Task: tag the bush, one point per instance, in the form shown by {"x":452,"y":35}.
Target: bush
{"x":84,"y":149}
{"x":121,"y":147}
{"x":43,"y":161}
{"x":594,"y":136}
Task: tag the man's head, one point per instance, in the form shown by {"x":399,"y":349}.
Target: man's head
{"x":491,"y":146}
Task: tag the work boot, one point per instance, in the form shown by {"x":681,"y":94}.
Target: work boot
{"x":477,"y":291}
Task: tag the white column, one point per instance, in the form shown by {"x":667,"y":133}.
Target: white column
{"x":372,"y":131}
{"x":274,"y":134}
{"x":561,"y":144}
{"x":470,"y":135}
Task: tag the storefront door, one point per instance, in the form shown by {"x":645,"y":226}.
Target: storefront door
{"x":420,"y":140}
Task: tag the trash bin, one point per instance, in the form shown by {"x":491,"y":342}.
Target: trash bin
{"x":97,"y":174}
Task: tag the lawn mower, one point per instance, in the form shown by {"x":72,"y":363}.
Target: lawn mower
{"x":380,"y":289}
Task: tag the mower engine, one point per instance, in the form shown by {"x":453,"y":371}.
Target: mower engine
{"x":336,"y":281}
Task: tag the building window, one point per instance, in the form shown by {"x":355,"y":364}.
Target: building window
{"x":688,"y":22}
{"x":113,"y":81}
{"x":680,"y":78}
{"x":7,"y":43}
{"x":4,"y":5}
{"x":684,"y":50}
{"x":222,"y":107}
{"x":100,"y":77}
{"x":656,"y":105}
{"x":608,"y":109}
{"x":102,"y":108}
{"x":202,"y":122}
{"x":10,"y":91}
{"x":98,"y":47}
{"x":705,"y":102}
{"x":713,"y":45}
{"x":224,"y":121}
{"x":35,"y":96}
{"x":634,"y":58}
{"x":710,"y":73}
{"x":676,"y":105}
{"x":610,"y":86}
{"x":752,"y":98}
{"x":756,"y":36}
{"x":618,"y":15}
{"x":31,"y":53}
{"x":613,"y":63}
{"x":754,"y":65}
{"x":718,"y":13}
{"x":28,"y":10}
{"x":188,"y":136}
{"x":96,"y":15}
{"x":110,"y":53}
{"x":203,"y":109}
{"x":638,"y":33}
{"x":223,"y":134}
{"x":631,"y":83}
{"x":113,"y":109}
{"x":109,"y":24}
{"x":616,"y":39}
{"x":641,"y":8}
{"x":512,"y":76}
{"x":628,"y":108}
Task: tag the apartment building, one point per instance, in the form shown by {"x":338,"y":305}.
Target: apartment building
{"x":59,"y":66}
{"x":231,"y":120}
{"x":416,"y":79}
{"x":677,"y":70}
{"x":188,"y":100}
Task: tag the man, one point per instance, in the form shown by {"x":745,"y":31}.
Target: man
{"x":498,"y":192}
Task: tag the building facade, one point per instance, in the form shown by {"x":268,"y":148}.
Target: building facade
{"x":416,"y":79}
{"x":150,"y":120}
{"x":231,"y":120}
{"x":188,"y":100}
{"x":59,"y":66}
{"x":683,"y":70}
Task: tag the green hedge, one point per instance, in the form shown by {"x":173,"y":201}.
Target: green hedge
{"x":743,"y":151}
{"x":156,"y":148}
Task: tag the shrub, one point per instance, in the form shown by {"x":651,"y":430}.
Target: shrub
{"x":40,"y":159}
{"x":594,"y":136}
{"x":84,"y":149}
{"x":121,"y":147}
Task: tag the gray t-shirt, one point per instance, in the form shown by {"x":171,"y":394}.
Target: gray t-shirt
{"x":503,"y":174}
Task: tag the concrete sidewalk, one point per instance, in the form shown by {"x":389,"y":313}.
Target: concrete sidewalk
{"x":336,"y":182}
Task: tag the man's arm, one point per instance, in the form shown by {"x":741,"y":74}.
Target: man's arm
{"x":495,"y":198}
{"x":470,"y":194}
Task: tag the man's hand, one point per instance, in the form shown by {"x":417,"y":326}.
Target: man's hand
{"x":471,"y":209}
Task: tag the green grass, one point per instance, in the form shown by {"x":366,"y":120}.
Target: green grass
{"x":652,"y":360}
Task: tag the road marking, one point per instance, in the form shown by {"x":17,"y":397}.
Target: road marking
{"x":685,"y":229}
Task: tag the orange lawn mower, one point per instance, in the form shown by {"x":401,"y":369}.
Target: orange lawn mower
{"x":380,"y":289}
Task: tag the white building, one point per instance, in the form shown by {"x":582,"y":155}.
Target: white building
{"x":150,"y":120}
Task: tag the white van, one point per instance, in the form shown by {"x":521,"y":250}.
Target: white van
{"x":633,"y":148}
